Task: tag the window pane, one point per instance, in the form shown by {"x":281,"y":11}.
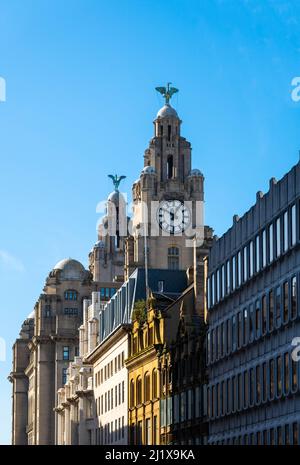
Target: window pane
{"x":228,"y":277}
{"x":285,"y":232}
{"x":245,"y":275}
{"x":293,"y":214}
{"x":264,"y":248}
{"x":271,"y":311}
{"x":278,"y":238}
{"x":233,"y":273}
{"x":257,"y":252}
{"x":285,"y":301}
{"x":279,"y":376}
{"x":294,"y":297}
{"x":251,"y":259}
{"x":271,"y":245}
{"x":264,"y":314}
{"x":239,"y":259}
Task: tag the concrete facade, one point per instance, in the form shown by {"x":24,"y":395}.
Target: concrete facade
{"x":254,"y":315}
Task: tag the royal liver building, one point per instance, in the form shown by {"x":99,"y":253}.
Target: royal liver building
{"x":171,"y":335}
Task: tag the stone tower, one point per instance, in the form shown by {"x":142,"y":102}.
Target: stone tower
{"x":167,"y":200}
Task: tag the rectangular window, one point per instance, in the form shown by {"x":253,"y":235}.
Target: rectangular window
{"x":251,"y":259}
{"x":228,"y":277}
{"x":287,"y":435}
{"x":278,"y":238}
{"x":272,"y":437}
{"x":229,"y":344}
{"x":123,"y":392}
{"x":257,"y":319}
{"x":239,"y":329}
{"x":264,"y":382}
{"x":222,"y":342}
{"x":272,"y":375}
{"x":294,"y":227}
{"x":64,"y":376}
{"x":251,"y":391}
{"x":279,"y":375}
{"x":66,"y":353}
{"x":239,"y":264}
{"x":285,"y":231}
{"x":258,"y":385}
{"x":240,"y":391}
{"x":148,"y":431}
{"x":155,"y":430}
{"x":245,"y":326}
{"x":264,"y":314}
{"x":286,"y":373}
{"x":285,"y":302}
{"x":278,"y":306}
{"x":251,"y":323}
{"x":257,"y":254}
{"x":234,"y":333}
{"x":213,"y":289}
{"x":246,"y":389}
{"x":271,"y":311}
{"x":233,"y":268}
{"x":218,"y":285}
{"x":279,"y":436}
{"x":271,"y":244}
{"x":264,"y":248}
{"x":223,"y":282}
{"x":295,"y":434}
{"x":208,"y":293}
{"x":294,"y":298}
{"x":294,"y":375}
{"x":245,"y":273}
{"x":208,"y":348}
{"x":219,"y":338}
{"x":228,"y":397}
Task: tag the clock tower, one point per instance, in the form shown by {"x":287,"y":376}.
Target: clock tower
{"x":167,"y":198}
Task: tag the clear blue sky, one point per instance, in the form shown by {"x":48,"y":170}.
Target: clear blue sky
{"x":80,"y":104}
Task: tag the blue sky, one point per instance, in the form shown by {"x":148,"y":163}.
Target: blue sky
{"x":80,"y":103}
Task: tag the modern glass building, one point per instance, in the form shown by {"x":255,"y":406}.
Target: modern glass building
{"x":253,"y":395}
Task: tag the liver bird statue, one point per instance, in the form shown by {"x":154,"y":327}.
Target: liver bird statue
{"x":116,"y":180}
{"x":167,"y":92}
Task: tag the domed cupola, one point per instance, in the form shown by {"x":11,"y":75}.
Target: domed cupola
{"x":167,"y":112}
{"x":148,"y":170}
{"x":195,"y":172}
{"x":69,"y":270}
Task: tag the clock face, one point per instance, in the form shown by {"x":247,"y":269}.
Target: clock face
{"x":173,"y":216}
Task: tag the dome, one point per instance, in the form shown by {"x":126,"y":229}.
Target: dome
{"x":196,"y":172}
{"x":167,"y":111}
{"x":148,"y":170}
{"x":99,"y":245}
{"x":116,"y":197}
{"x":70,"y":269}
{"x":31,"y":315}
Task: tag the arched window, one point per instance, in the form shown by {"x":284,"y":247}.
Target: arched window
{"x":154,"y":384}
{"x":170,"y":167}
{"x":132,"y":393}
{"x":139,"y":390}
{"x":173,"y":258}
{"x":70,"y":295}
{"x":147,"y":387}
